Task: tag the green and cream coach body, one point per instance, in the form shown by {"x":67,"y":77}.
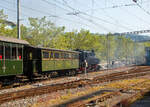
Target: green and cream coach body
{"x":11,"y":56}
{"x":19,"y":57}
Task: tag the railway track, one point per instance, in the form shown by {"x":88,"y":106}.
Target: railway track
{"x":93,"y":100}
{"x":139,"y":71}
{"x":21,"y":81}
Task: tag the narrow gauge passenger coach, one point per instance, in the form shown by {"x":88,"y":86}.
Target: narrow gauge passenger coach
{"x":53,"y":59}
{"x":19,"y":57}
{"x":46,"y":60}
{"x":11,"y":56}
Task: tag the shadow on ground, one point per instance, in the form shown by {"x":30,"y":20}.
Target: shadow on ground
{"x":65,"y":104}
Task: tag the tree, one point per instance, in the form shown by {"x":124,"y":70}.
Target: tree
{"x":4,"y":29}
{"x":2,"y":16}
{"x":41,"y":32}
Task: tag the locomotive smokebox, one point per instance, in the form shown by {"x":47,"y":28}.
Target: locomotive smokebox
{"x":92,"y":60}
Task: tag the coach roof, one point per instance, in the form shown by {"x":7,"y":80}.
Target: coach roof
{"x":53,"y":49}
{"x":13,"y":40}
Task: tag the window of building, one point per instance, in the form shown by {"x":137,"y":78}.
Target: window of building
{"x":45,"y":54}
{"x":7,"y":52}
{"x":56,"y":55}
{"x":1,"y":52}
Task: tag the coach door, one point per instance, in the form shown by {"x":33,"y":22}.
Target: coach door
{"x":2,"y":65}
{"x":27,"y":63}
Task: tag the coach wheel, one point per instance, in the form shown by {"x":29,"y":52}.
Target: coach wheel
{"x":98,"y":67}
{"x":49,"y":76}
{"x":74,"y":72}
{"x":1,"y":84}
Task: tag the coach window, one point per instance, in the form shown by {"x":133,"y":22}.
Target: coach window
{"x":69,"y":55}
{"x":19,"y":53}
{"x":7,"y":51}
{"x":76,"y":56}
{"x":14,"y":53}
{"x":56,"y":55}
{"x":62,"y":55}
{"x":66,"y":55}
{"x":1,"y":52}
{"x":73,"y":56}
{"x":51,"y":54}
{"x":45,"y":54}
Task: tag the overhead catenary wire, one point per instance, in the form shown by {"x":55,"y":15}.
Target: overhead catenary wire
{"x":96,"y":24}
{"x":45,"y":13}
{"x":65,"y":10}
{"x":147,"y":12}
{"x":112,"y":18}
{"x":122,"y":7}
{"x":92,"y":11}
{"x":32,"y":9}
{"x":114,"y":6}
{"x":101,"y":19}
{"x":42,"y":12}
{"x":78,"y":13}
{"x":137,"y":16}
{"x":84,"y":13}
{"x":75,"y":14}
{"x":81,"y":23}
{"x":118,"y":6}
{"x":54,"y":5}
{"x":12,"y":10}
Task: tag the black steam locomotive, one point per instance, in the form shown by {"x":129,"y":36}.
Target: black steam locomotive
{"x":88,"y":60}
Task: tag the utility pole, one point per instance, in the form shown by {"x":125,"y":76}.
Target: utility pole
{"x":107,"y":48}
{"x":18,"y":19}
{"x":126,"y":51}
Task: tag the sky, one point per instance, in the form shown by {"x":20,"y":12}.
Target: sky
{"x":98,"y":16}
